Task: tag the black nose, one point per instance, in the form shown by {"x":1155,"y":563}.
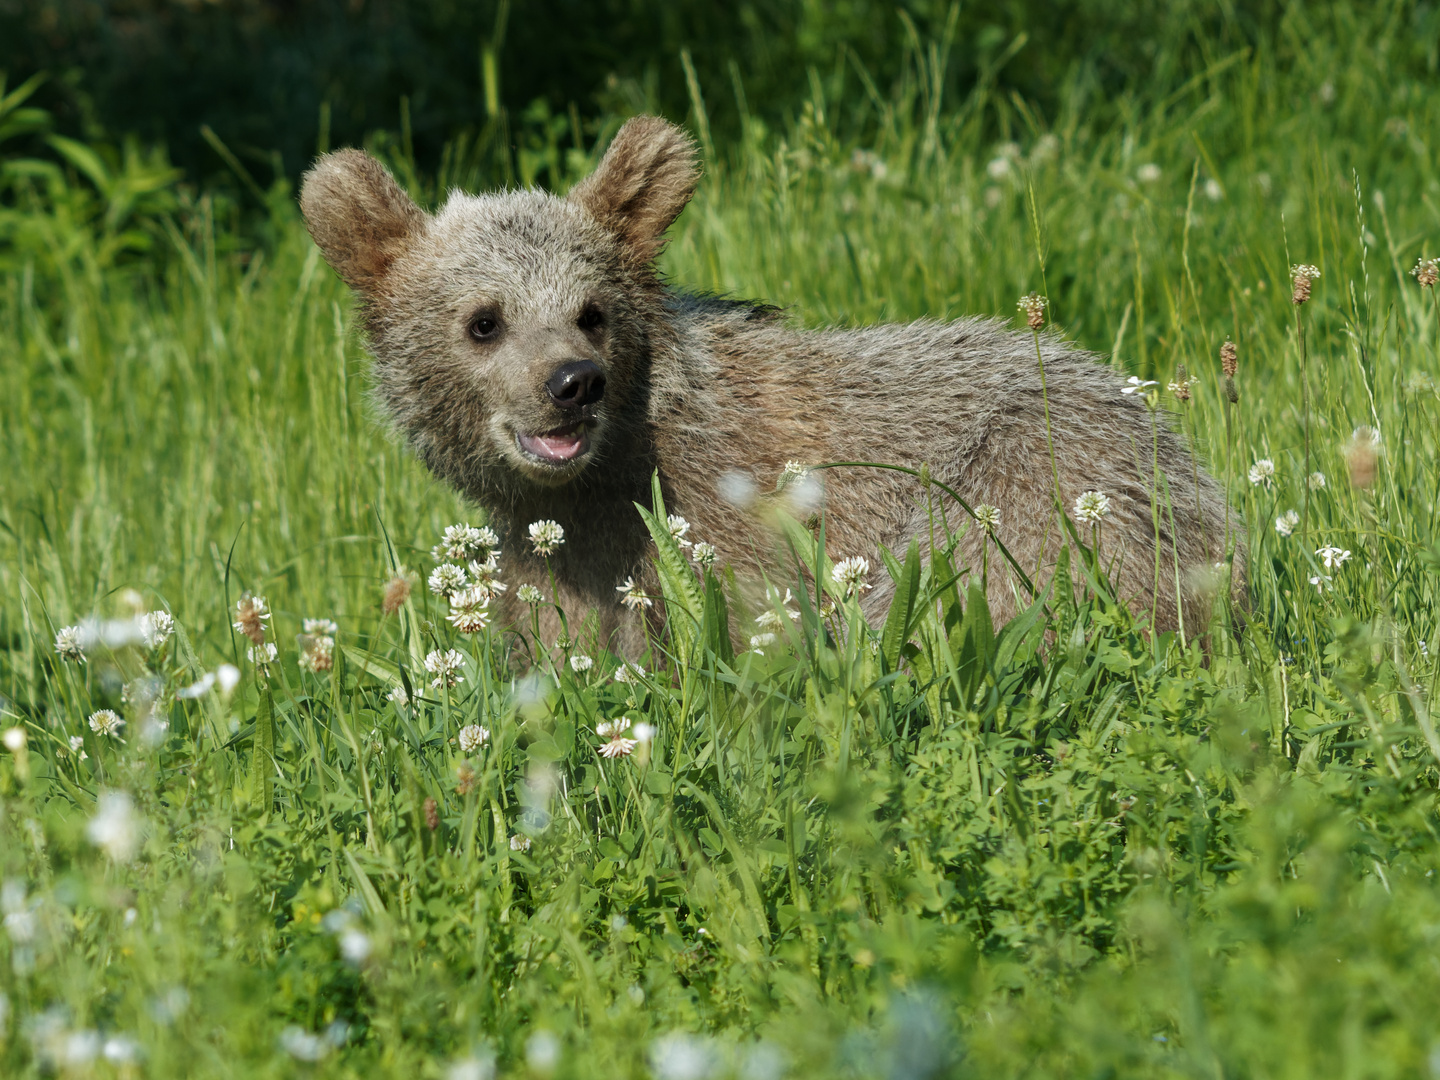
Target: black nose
{"x":575,"y":385}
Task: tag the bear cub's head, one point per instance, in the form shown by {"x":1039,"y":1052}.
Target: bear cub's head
{"x":512,"y":330}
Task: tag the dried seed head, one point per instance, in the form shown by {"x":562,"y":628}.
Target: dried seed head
{"x":1231,"y":394}
{"x":432,"y":814}
{"x":466,"y":778}
{"x":1301,"y":276}
{"x":1362,"y":456}
{"x":1427,"y":272}
{"x":1181,"y":386}
{"x":1033,"y":305}
{"x":397,"y":591}
{"x":251,"y":615}
{"x":1229,"y":359}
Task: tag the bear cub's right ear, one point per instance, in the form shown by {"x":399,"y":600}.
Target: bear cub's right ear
{"x":359,"y":216}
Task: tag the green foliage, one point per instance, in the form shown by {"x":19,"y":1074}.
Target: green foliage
{"x":1056,"y":847}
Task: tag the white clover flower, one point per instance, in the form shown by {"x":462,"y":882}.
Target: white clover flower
{"x":322,"y":627}
{"x":1366,"y":435}
{"x":1137,"y":385}
{"x":459,"y":542}
{"x":645,"y":733}
{"x":617,"y":745}
{"x":251,"y":615}
{"x":1333,"y":557}
{"x":793,"y":471}
{"x":1092,"y":506}
{"x":467,"y":609}
{"x":398,"y":695}
{"x":579,"y":663}
{"x":317,"y":653}
{"x":1263,"y":472}
{"x":849,"y":574}
{"x":447,"y":578}
{"x":760,"y":642}
{"x":519,"y":842}
{"x":546,"y":536}
{"x":1286,"y":522}
{"x":227,"y":677}
{"x":608,"y":729}
{"x":472,"y":737}
{"x":355,"y":946}
{"x":115,"y":829}
{"x":528,"y":594}
{"x":678,"y":527}
{"x":77,"y":743}
{"x":106,"y":722}
{"x":768,"y":620}
{"x":703,"y":554}
{"x":987,"y":517}
{"x":67,"y":644}
{"x":156,"y":628}
{"x":262,"y":655}
{"x":14,"y":739}
{"x":629,"y":674}
{"x":631,"y":595}
{"x":445,"y":666}
{"x":1316,"y":481}
{"x":1148,"y":173}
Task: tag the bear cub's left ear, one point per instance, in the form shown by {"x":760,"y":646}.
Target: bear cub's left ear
{"x":644,"y":181}
{"x":359,"y":216}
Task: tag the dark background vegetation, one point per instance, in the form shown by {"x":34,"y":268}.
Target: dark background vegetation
{"x":269,"y":76}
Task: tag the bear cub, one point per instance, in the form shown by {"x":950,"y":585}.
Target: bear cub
{"x":526,"y":346}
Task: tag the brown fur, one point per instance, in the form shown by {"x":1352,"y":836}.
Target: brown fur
{"x":699,"y":388}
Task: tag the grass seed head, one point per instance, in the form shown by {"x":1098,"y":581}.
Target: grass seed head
{"x":1362,"y":456}
{"x":1229,"y":360}
{"x":432,"y":813}
{"x":397,"y":591}
{"x":1300,"y":277}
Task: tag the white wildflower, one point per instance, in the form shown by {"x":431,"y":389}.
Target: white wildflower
{"x":987,"y":517}
{"x":322,"y":627}
{"x":472,"y":737}
{"x":1322,"y":582}
{"x":678,"y":527}
{"x":467,"y":609}
{"x":1263,"y":472}
{"x":849,"y":574}
{"x":67,"y":644}
{"x":156,"y":628}
{"x":445,"y":666}
{"x":262,"y":655}
{"x":519,"y":842}
{"x":629,"y":674}
{"x":703,"y":554}
{"x":398,"y":695}
{"x":303,"y":1045}
{"x":447,"y":578}
{"x":1092,"y":506}
{"x":77,"y":743}
{"x":1316,"y":481}
{"x":528,"y":594}
{"x":644,"y":733}
{"x":580,"y":663}
{"x":317,"y":653}
{"x":251,"y":615}
{"x":632,"y":596}
{"x":115,"y":829}
{"x":14,"y":739}
{"x":1137,"y":385}
{"x":760,"y":642}
{"x":614,"y":731}
{"x":1148,"y":173}
{"x":1332,"y":557}
{"x":106,"y":722}
{"x":546,"y":536}
{"x":1286,"y":522}
{"x":608,"y":729}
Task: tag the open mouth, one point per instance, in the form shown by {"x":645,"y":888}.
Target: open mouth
{"x":555,"y":447}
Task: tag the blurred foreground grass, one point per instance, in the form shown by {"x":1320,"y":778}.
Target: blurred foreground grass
{"x":1054,"y":848}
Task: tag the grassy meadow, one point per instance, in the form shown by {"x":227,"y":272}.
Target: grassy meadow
{"x":1059,"y":848}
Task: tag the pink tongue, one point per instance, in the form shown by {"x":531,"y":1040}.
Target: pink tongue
{"x":557,"y":446}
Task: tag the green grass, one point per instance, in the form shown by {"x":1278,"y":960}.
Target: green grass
{"x":1057,"y":848}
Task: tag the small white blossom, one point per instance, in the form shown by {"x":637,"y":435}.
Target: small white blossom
{"x":760,"y":642}
{"x":445,"y":666}
{"x":261,"y":655}
{"x":1322,"y":582}
{"x":528,"y":594}
{"x":546,"y":536}
{"x":446,"y":579}
{"x":792,"y":472}
{"x":106,"y":722}
{"x":467,"y":609}
{"x":1316,"y":481}
{"x":629,"y":674}
{"x":678,"y":527}
{"x":14,"y":739}
{"x":322,"y":627}
{"x":703,"y":554}
{"x":251,"y":615}
{"x":850,"y":575}
{"x":1332,"y":557}
{"x":303,"y":1045}
{"x":67,"y":644}
{"x":608,"y":729}
{"x":472,"y":737}
{"x":1286,"y":522}
{"x":317,"y":653}
{"x":459,"y":542}
{"x":398,"y":695}
{"x":580,"y":662}
{"x":519,"y":843}
{"x":1092,"y":506}
{"x":115,"y":829}
{"x":77,"y":743}
{"x":1148,"y":173}
{"x":156,"y":628}
{"x":631,"y":595}
{"x":613,"y":731}
{"x":1263,"y":472}
{"x":644,"y":733}
{"x":1137,"y":385}
{"x":987,"y":517}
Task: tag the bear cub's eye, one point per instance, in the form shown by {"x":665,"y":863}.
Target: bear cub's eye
{"x":592,"y":318}
{"x":484,"y":327}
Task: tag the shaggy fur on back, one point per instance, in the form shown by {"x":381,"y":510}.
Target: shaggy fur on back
{"x":704,"y":390}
